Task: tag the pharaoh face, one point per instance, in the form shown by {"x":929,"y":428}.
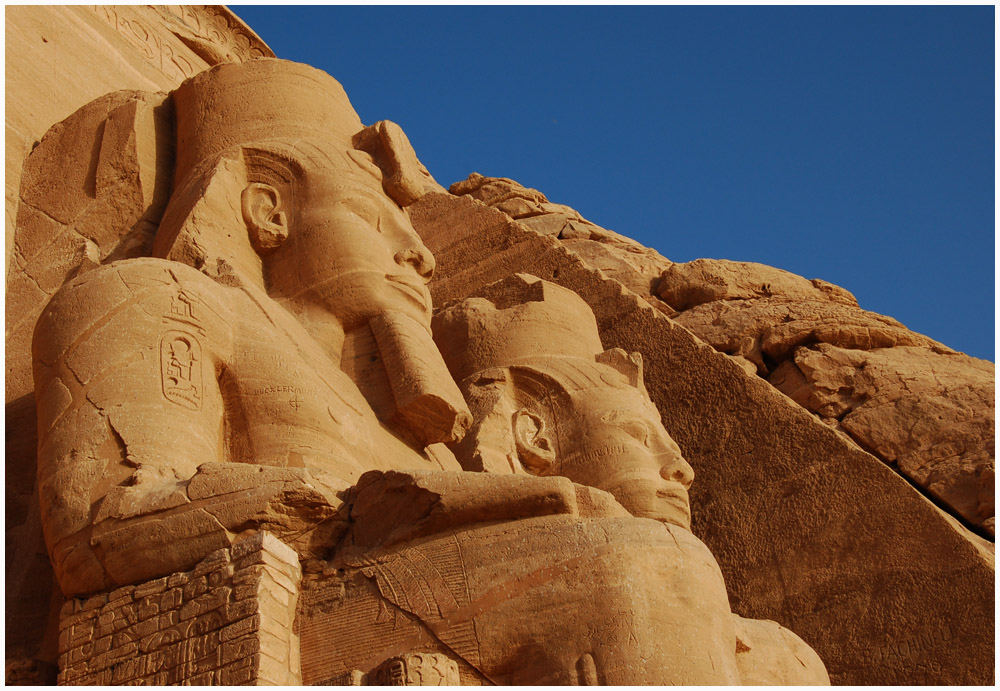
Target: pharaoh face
{"x":351,"y":249}
{"x":622,"y":448}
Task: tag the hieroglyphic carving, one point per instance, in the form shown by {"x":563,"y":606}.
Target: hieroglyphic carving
{"x":221,"y":27}
{"x":210,"y":625}
{"x":431,"y":582}
{"x":182,"y":309}
{"x":162,"y":53}
{"x":416,"y":669}
{"x":938,"y":635}
{"x":211,"y":33}
{"x":181,"y":369}
{"x":180,"y":354}
{"x":390,"y":673}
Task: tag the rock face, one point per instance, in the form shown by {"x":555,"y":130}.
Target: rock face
{"x":929,"y":414}
{"x":915,"y":403}
{"x":287,"y":411}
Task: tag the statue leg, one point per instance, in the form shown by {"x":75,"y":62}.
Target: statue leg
{"x":558,"y":600}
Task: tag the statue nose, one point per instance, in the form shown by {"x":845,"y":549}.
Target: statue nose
{"x":420,"y":259}
{"x":678,"y":470}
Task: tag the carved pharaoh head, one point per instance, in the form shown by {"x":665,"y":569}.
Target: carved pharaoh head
{"x":278,"y":183}
{"x":547,"y":399}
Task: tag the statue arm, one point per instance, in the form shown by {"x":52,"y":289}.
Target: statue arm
{"x":125,"y":359}
{"x":132,"y":471}
{"x":393,"y":507}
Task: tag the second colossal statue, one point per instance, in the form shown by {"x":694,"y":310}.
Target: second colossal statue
{"x":563,"y":553}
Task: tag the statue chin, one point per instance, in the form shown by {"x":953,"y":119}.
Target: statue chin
{"x":666,"y":506}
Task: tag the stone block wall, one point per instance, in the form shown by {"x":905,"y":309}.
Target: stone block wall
{"x":228,"y":621}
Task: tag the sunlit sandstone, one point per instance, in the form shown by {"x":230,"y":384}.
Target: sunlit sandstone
{"x":265,"y":454}
{"x":284,"y":237}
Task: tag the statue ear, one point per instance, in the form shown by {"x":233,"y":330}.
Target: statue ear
{"x":266,"y":222}
{"x":534,"y":446}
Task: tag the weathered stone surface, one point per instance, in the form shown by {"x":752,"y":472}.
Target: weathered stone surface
{"x":938,"y":431}
{"x":687,"y":285}
{"x":151,"y":378}
{"x":199,"y":638}
{"x":237,"y":367}
{"x":767,"y":330}
{"x":928,"y":413}
{"x":634,"y":265}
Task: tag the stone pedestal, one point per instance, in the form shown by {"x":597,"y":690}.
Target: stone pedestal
{"x":228,"y":621}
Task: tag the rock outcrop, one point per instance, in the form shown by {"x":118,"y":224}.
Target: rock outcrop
{"x":915,"y":403}
{"x":637,"y":267}
{"x":927,"y":413}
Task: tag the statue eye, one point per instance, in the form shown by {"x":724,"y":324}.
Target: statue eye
{"x":634,"y":426}
{"x":361,"y":208}
{"x":637,"y":430}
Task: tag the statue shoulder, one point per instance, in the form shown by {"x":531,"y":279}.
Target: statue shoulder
{"x":126,"y":303}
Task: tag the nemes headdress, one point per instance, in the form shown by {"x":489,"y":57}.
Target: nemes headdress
{"x":233,"y":104}
{"x":267,"y":120}
{"x":525,"y":322}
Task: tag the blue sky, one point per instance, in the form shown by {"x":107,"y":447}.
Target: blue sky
{"x":852,"y":144}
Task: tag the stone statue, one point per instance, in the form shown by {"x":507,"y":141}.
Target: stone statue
{"x":282,"y":247}
{"x":271,"y":368}
{"x":549,"y":400}
{"x":632,"y":600}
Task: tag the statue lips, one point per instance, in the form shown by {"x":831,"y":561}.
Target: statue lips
{"x":662,"y":500}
